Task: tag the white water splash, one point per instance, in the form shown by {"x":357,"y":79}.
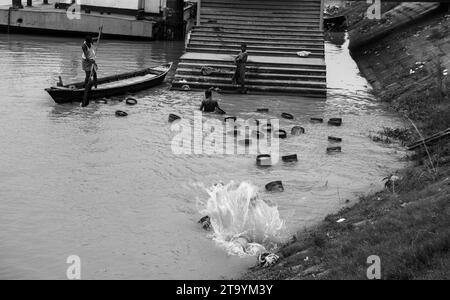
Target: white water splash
{"x":242,"y":223}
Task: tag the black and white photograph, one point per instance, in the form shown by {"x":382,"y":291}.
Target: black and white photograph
{"x":225,"y":147}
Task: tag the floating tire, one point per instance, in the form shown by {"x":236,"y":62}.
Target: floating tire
{"x":205,"y":222}
{"x":264,"y":160}
{"x":234,"y":119}
{"x":298,"y":130}
{"x":275,"y":186}
{"x":120,"y":113}
{"x":290,"y":158}
{"x":186,"y":87}
{"x":101,"y":101}
{"x":173,"y":118}
{"x":281,"y":134}
{"x":131,"y":101}
{"x":287,"y":116}
{"x":334,"y":139}
{"x":335,"y":121}
{"x":334,"y":149}
{"x":317,"y":120}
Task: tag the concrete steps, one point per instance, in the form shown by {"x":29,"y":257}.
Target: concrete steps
{"x":259,"y":47}
{"x":267,"y":14}
{"x":231,"y":51}
{"x":255,"y":61}
{"x":263,"y":5}
{"x":254,"y":75}
{"x":266,"y":36}
{"x":252,"y":30}
{"x":261,"y":70}
{"x":274,"y":31}
{"x":258,"y":20}
{"x":262,"y":25}
{"x":272,"y":46}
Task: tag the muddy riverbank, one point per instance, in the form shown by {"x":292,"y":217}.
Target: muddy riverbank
{"x":406,"y":225}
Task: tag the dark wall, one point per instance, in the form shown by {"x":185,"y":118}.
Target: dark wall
{"x":175,"y":18}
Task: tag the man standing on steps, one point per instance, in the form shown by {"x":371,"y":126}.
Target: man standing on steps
{"x":241,"y":63}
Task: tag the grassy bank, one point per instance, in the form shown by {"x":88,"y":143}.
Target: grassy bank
{"x":408,"y":224}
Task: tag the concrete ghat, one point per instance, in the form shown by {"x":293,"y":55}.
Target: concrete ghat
{"x":274,"y":31}
{"x":48,"y":19}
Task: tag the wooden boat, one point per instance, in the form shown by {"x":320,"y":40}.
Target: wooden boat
{"x":112,"y":85}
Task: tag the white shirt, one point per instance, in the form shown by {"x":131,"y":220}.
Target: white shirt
{"x":90,"y":52}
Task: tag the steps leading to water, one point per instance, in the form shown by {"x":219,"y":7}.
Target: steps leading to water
{"x":274,"y":31}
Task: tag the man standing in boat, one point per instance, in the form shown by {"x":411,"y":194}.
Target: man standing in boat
{"x":241,"y":63}
{"x":88,"y":62}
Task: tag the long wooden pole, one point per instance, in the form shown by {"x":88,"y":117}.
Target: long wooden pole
{"x":429,"y":139}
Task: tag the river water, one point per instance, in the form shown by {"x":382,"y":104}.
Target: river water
{"x":82,"y":182}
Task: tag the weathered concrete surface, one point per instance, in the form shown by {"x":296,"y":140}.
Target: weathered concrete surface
{"x":294,"y":61}
{"x":405,"y":63}
{"x":402,"y":15}
{"x":274,"y":31}
{"x":42,"y":18}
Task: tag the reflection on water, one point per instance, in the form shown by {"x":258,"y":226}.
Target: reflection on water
{"x":80,"y":181}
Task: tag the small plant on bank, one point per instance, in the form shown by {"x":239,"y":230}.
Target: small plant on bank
{"x":390,"y":182}
{"x":388,"y":135}
{"x":431,"y":167}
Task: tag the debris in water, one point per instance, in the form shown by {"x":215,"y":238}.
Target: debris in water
{"x":206,"y":222}
{"x":268,"y":259}
{"x":275,"y":186}
{"x":120,"y":113}
{"x":334,"y":139}
{"x":318,"y":120}
{"x":290,"y":158}
{"x":334,"y":149}
{"x":297,"y":130}
{"x":173,"y":118}
{"x":264,"y":160}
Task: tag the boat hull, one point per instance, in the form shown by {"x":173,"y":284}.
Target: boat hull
{"x":64,"y":94}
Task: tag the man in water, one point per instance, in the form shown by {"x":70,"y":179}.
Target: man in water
{"x":241,"y":63}
{"x":88,"y":62}
{"x":209,"y":105}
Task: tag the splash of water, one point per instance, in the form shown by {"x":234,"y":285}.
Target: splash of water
{"x":242,"y":223}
